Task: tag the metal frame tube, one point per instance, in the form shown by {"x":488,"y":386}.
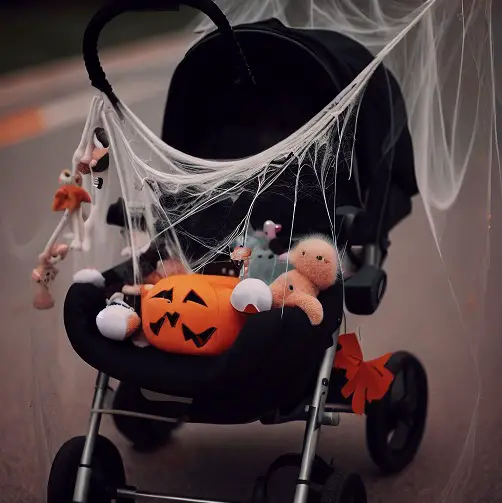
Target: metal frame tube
{"x":85,"y":469}
{"x":134,"y":494}
{"x":316,"y":418}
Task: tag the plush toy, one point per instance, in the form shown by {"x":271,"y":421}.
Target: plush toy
{"x":95,"y":161}
{"x":45,"y":273}
{"x":316,"y":258}
{"x":241,"y":255}
{"x":251,"y":295}
{"x":263,"y":263}
{"x":184,"y":314}
{"x":316,"y":267}
{"x":294,"y":289}
{"x":191,"y":314}
{"x":165,"y":268}
{"x":70,"y":196}
{"x":118,"y":320}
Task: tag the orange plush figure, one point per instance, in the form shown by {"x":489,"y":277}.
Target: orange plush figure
{"x":70,"y":196}
{"x":191,"y":314}
{"x":316,"y":267}
{"x":293,"y":289}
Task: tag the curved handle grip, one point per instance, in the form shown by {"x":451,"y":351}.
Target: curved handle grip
{"x":95,"y":71}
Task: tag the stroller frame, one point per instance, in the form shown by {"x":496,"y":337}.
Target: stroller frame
{"x":316,"y":414}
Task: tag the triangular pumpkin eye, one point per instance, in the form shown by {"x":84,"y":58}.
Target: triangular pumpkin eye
{"x":193,"y":297}
{"x":164,"y":294}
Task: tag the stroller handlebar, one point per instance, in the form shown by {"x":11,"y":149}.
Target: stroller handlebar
{"x":110,"y":11}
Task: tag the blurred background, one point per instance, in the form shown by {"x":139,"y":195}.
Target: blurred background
{"x":35,"y":32}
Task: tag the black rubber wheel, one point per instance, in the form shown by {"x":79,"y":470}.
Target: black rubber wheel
{"x":265,"y":488}
{"x":343,"y":487}
{"x":107,"y":472}
{"x":146,"y":435}
{"x":395,"y":425}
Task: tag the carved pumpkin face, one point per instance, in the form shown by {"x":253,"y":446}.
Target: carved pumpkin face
{"x":191,"y":314}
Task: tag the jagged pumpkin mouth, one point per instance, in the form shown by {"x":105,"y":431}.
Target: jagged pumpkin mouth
{"x":199,"y":339}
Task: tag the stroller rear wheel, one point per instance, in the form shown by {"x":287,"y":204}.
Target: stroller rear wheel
{"x":146,"y":435}
{"x":107,"y":472}
{"x":343,"y":487}
{"x":395,"y":425}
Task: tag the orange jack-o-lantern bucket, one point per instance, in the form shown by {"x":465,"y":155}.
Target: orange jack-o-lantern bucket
{"x":191,"y":314}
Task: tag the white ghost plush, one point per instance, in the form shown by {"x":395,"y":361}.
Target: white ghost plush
{"x":251,"y":295}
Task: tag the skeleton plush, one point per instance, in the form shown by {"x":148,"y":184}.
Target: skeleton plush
{"x":68,"y":199}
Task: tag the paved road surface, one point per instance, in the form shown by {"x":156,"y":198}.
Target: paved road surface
{"x":45,"y":389}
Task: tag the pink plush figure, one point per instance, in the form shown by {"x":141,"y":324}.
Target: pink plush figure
{"x":283,"y":257}
{"x":43,"y":276}
{"x":242,"y":254}
{"x":54,"y":254}
{"x":316,"y":263}
{"x":270,"y":229}
{"x":293,"y":289}
{"x":317,"y":259}
{"x":45,"y":273}
{"x":43,"y":299}
{"x":170,"y":267}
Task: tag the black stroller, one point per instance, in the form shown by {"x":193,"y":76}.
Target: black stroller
{"x":280,"y":369}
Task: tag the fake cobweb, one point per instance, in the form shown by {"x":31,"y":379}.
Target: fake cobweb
{"x":191,"y":209}
{"x":442,"y":56}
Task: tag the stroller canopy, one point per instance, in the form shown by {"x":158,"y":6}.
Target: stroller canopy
{"x":297,"y":73}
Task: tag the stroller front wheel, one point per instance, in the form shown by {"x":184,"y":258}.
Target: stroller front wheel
{"x":107,"y":472}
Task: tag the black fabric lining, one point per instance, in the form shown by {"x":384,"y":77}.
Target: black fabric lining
{"x":273,"y":363}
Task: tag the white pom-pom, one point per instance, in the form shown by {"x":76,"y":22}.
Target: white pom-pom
{"x":251,"y":295}
{"x":92,"y":276}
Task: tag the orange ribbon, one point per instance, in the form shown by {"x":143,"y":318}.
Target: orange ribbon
{"x":366,"y":381}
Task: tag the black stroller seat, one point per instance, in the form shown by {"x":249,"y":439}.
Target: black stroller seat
{"x":219,"y":388}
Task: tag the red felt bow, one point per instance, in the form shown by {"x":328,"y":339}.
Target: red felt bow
{"x":367,"y":381}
